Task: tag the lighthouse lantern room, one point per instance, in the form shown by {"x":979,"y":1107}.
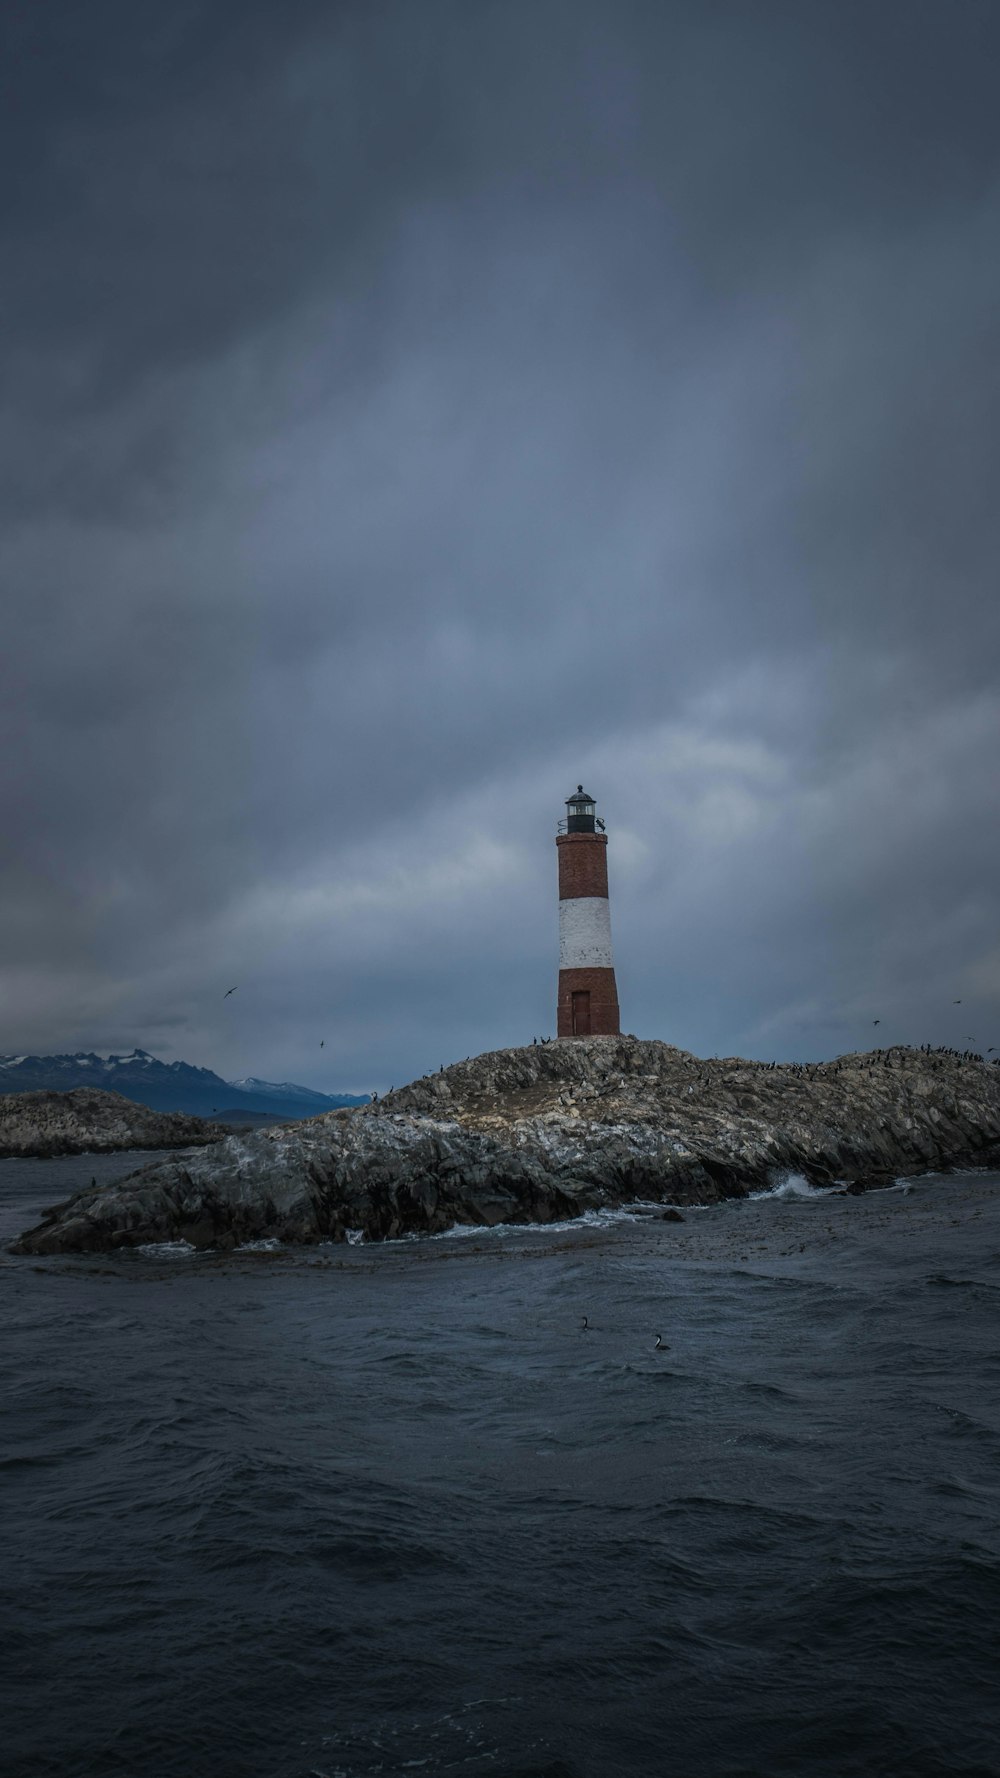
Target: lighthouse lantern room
{"x":581,"y":813}
{"x":588,"y":996}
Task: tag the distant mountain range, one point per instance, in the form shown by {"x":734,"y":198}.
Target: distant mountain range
{"x":168,"y":1086}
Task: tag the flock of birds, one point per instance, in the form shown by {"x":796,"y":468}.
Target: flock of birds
{"x":942,"y":1049}
{"x":795,"y":1067}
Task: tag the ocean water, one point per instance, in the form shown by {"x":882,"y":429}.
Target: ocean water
{"x":356,"y":1510}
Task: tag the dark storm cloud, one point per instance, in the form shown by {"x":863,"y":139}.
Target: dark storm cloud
{"x":412,"y":409}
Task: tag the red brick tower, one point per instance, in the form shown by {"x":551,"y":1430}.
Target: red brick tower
{"x":588,"y":997}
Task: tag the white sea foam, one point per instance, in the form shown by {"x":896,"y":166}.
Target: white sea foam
{"x":268,"y":1244}
{"x":167,"y":1249}
{"x":638,"y":1211}
{"x":794,"y":1186}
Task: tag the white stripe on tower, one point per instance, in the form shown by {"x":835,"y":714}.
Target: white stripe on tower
{"x":585,"y":933}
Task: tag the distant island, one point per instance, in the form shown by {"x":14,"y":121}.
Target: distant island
{"x":546,"y":1132}
{"x":169,"y":1086}
{"x":89,"y":1121}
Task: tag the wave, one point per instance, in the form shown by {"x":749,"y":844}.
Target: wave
{"x":793,"y":1185}
{"x":638,"y":1210}
{"x":943,"y":1281}
{"x":965,"y":1425}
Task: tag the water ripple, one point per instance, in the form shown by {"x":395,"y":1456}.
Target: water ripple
{"x":396,"y":1512}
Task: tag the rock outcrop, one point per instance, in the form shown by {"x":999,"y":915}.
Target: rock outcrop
{"x":546,"y":1132}
{"x":90,"y":1121}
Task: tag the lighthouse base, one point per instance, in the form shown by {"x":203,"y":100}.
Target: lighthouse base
{"x":587,"y":1004}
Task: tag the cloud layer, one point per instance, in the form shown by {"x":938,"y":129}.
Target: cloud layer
{"x":414,"y":410}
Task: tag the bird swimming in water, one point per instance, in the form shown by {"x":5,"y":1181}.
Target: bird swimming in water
{"x":956,"y":1003}
{"x":228,"y":992}
{"x":586,"y":1324}
{"x":661,"y":1344}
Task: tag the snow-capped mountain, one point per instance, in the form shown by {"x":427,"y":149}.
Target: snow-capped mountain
{"x":165,"y":1086}
{"x":284,"y":1089}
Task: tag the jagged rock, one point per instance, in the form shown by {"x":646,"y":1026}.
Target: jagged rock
{"x":545,"y":1132}
{"x":91,"y":1121}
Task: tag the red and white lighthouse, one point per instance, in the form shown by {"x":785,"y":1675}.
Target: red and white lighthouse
{"x":588,"y":997}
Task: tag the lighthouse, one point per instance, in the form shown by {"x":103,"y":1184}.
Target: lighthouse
{"x":588,"y":997}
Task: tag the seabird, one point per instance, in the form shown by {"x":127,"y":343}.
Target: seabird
{"x":661,"y":1344}
{"x":229,"y":991}
{"x":956,"y":1003}
{"x":586,"y":1324}
{"x":876,"y":1021}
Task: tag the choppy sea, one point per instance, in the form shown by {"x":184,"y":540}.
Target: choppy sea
{"x":348,"y":1511}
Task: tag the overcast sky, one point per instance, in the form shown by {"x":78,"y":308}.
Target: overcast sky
{"x":413,"y":410}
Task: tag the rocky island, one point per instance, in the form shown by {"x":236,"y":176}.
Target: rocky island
{"x":91,"y":1121}
{"x":546,"y":1132}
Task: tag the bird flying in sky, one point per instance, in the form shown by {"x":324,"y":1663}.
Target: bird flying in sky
{"x":228,"y":992}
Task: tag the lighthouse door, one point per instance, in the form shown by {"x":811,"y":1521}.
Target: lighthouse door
{"x":581,"y":1012}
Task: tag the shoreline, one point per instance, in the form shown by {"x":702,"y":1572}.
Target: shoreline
{"x":545,"y":1135}
{"x":747,"y":1230}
